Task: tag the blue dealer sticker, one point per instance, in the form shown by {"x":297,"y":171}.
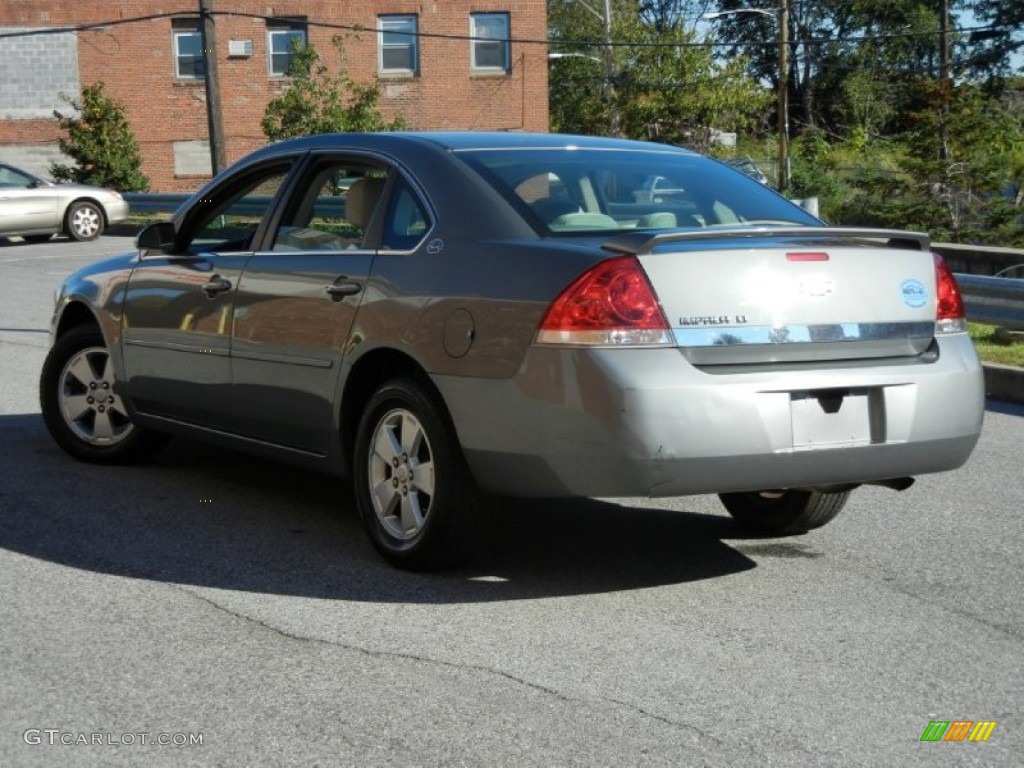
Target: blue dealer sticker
{"x":914,"y":293}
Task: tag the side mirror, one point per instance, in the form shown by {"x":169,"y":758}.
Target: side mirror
{"x":156,"y":237}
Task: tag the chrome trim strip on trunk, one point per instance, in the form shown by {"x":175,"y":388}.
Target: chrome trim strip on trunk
{"x":641,"y":243}
{"x":727,"y":336}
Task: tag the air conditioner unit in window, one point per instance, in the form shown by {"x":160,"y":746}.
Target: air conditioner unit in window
{"x":240,"y":48}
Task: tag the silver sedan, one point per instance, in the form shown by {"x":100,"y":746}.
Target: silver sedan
{"x":448,"y":317}
{"x":37,"y":209}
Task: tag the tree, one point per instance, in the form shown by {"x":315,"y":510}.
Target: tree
{"x":662,"y":83}
{"x":101,"y":142}
{"x":672,"y":88}
{"x":1005,"y":35}
{"x":317,"y":102}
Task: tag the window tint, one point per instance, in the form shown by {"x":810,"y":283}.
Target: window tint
{"x":490,"y":44}
{"x":398,"y":44}
{"x":332,"y":208}
{"x":230,"y":217}
{"x":579,"y":190}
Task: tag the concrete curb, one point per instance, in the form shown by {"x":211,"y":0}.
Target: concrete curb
{"x":1004,"y":382}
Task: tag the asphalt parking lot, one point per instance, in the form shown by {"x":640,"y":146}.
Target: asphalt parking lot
{"x":213,"y":597}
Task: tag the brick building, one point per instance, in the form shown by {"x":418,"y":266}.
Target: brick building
{"x":442,"y":64}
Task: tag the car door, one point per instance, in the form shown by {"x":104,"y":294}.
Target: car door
{"x":179,"y":305}
{"x":297,"y":300}
{"x":26,"y":203}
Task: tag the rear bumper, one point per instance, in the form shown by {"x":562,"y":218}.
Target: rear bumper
{"x":644,"y":422}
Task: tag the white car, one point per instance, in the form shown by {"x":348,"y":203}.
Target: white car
{"x":37,"y":209}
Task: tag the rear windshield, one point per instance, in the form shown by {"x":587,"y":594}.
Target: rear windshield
{"x":577,"y":190}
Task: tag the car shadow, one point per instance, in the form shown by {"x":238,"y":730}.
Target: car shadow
{"x":201,"y":516}
{"x":1004,"y":407}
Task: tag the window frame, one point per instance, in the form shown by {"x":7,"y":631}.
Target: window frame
{"x":412,"y":44}
{"x":287,"y":30}
{"x":187,"y":28}
{"x":476,"y":39}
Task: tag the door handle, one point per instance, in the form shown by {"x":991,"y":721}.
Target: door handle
{"x":216,"y":285}
{"x":338,"y":291}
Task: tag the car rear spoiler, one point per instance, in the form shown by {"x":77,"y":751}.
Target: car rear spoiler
{"x":640,"y":243}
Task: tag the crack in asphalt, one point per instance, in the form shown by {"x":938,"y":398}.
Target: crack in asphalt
{"x":375,"y":653}
{"x":450,"y":665}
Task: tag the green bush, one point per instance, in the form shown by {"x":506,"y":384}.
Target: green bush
{"x":101,"y":142}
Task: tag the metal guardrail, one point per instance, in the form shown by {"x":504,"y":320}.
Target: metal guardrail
{"x":995,"y":300}
{"x":148,"y":202}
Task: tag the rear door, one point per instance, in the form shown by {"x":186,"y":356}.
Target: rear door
{"x":297,"y":300}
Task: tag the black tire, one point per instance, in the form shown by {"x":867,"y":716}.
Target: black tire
{"x":84,"y":221}
{"x":82,"y":408}
{"x":784,"y":512}
{"x":416,"y":521}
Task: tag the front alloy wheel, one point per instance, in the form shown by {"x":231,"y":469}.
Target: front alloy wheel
{"x":413,"y":490}
{"x":81,"y":405}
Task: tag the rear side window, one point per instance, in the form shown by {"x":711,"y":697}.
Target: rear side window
{"x":406,"y":222}
{"x":333,"y":206}
{"x":578,"y":190}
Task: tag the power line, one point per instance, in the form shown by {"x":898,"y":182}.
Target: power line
{"x":359,"y":28}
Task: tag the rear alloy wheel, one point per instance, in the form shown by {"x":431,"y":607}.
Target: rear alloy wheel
{"x":784,"y":512}
{"x":81,"y":406}
{"x":413,"y":489}
{"x":84,"y":221}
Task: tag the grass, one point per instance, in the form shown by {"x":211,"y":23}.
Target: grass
{"x":992,"y":351}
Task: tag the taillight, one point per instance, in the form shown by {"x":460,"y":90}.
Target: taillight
{"x":950,"y":316}
{"x":611,"y":304}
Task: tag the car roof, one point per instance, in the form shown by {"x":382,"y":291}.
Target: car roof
{"x":466,"y":140}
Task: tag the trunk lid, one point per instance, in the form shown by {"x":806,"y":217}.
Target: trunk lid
{"x":791,"y":294}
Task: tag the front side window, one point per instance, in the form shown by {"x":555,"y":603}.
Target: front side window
{"x":399,"y":52}
{"x":490,"y":42}
{"x":189,"y":63}
{"x":228,"y":219}
{"x":282,"y":42}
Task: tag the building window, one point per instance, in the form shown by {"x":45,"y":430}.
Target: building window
{"x":282,"y":40}
{"x":490,"y":43}
{"x":399,"y":51}
{"x":189,"y":63}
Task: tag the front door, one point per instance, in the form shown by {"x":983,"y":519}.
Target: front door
{"x":179,"y":307}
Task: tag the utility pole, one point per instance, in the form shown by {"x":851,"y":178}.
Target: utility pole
{"x":946,"y":86}
{"x":784,"y":96}
{"x":214,"y":115}
{"x":608,"y":60}
{"x":781,"y":18}
{"x":609,"y":66}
